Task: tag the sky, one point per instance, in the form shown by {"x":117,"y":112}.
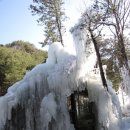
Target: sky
{"x":17,"y":22}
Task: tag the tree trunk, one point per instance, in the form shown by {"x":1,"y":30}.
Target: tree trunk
{"x":59,"y":30}
{"x":99,"y":60}
{"x":122,"y":57}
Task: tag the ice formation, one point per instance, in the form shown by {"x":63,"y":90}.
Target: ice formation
{"x":42,"y":93}
{"x":107,"y":103}
{"x":44,"y":90}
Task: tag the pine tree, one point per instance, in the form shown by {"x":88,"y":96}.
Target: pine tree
{"x":52,"y":15}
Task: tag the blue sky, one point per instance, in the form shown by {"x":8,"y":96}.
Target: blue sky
{"x":17,"y":23}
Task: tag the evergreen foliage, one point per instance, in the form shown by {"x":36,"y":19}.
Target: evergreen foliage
{"x":51,"y":15}
{"x":15,"y":59}
{"x":108,"y":54}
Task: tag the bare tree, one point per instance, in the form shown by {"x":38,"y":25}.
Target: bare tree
{"x":115,"y":16}
{"x":90,"y":19}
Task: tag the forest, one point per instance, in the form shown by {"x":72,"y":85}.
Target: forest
{"x":16,"y":59}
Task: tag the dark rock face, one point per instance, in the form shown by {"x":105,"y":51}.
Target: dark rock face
{"x":18,"y":119}
{"x":26,"y":114}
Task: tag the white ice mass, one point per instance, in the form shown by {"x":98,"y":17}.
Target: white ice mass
{"x":43,"y":91}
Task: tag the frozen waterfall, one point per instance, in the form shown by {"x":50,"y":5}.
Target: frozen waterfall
{"x":41,"y":96}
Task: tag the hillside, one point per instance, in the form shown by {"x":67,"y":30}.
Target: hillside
{"x":16,"y":59}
